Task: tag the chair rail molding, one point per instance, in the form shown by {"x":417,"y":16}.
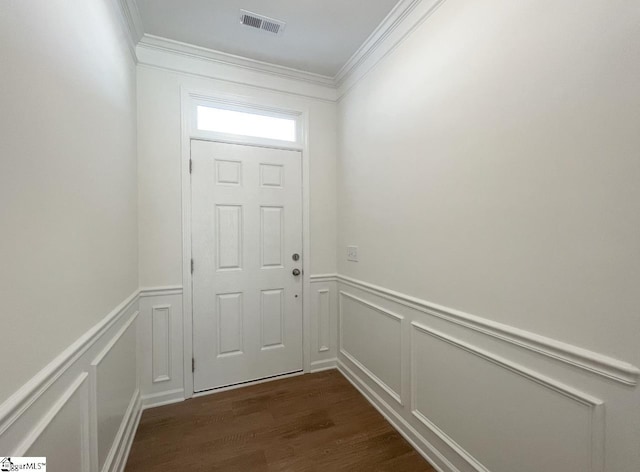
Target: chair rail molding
{"x":158,"y":291}
{"x":596,"y":363}
{"x":67,"y":410}
{"x":31,"y":391}
{"x":324,"y":278}
{"x":524,"y":383}
{"x":34,"y":434}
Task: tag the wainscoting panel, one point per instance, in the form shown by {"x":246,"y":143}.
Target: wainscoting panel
{"x":160,"y":353}
{"x":527,"y":414}
{"x":63,"y":434}
{"x":81,"y":410}
{"x":371,"y":339}
{"x":161,"y":343}
{"x":116,"y":387}
{"x":323,"y":303}
{"x":324,"y":322}
{"x":475,"y":396}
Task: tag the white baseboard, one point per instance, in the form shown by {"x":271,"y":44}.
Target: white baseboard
{"x":64,"y":412}
{"x":419,"y":443}
{"x":117,"y":459}
{"x":327,"y":364}
{"x":453,"y":377}
{"x":177,"y":395}
{"x":162,"y":398}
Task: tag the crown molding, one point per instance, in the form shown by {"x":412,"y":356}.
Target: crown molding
{"x":185,"y":59}
{"x":403,"y":20}
{"x":133,"y":18}
{"x":177,"y":47}
{"x":131,"y":23}
{"x":399,"y":12}
{"x":177,"y":56}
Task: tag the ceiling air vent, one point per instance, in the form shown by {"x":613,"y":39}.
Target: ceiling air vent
{"x":261,"y":22}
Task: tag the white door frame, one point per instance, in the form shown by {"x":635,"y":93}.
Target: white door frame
{"x":189,"y":97}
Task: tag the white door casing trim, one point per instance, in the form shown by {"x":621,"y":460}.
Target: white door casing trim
{"x":188,"y":99}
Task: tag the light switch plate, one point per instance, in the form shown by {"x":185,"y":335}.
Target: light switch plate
{"x":352,"y":253}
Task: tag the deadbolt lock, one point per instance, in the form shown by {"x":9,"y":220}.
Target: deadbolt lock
{"x":295,"y":257}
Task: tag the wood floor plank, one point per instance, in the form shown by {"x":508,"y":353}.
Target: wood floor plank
{"x":306,"y":423}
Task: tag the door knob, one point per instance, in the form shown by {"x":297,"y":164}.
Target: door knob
{"x":296,"y":272}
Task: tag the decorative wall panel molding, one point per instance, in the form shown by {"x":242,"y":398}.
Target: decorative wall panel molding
{"x":112,"y":375}
{"x":119,"y":453}
{"x":68,"y":392}
{"x":590,"y":361}
{"x":324,"y":314}
{"x":439,"y":461}
{"x":475,"y":396}
{"x":82,"y":409}
{"x":67,"y":422}
{"x":324,"y":323}
{"x":534,"y":425}
{"x":161,"y":344}
{"x":371,"y":343}
{"x":160,"y":352}
{"x":16,"y":405}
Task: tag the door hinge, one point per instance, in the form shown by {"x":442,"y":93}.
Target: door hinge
{"x":193,"y":364}
{"x":192,"y":266}
{"x":190,"y":165}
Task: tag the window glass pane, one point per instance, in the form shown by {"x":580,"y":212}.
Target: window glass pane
{"x":246,"y":124}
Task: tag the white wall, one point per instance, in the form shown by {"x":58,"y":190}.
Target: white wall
{"x":67,"y":177}
{"x":69,"y":272}
{"x":489,"y":164}
{"x":498,"y":150}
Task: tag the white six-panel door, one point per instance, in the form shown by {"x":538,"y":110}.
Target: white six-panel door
{"x":246,"y":228}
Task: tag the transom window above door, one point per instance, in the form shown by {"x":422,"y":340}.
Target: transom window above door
{"x":247,"y":124}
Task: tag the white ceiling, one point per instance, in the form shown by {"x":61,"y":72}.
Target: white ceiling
{"x":320,"y":35}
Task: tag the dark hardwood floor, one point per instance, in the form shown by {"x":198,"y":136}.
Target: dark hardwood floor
{"x":314,"y":422}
